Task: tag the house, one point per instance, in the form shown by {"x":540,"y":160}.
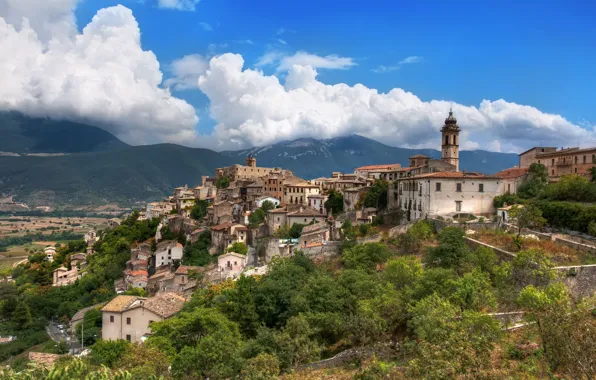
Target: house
{"x":317,"y":202}
{"x":281,"y":217}
{"x":560,"y":162}
{"x":352,"y":196}
{"x":63,"y":276}
{"x":444,"y":194}
{"x":504,"y":212}
{"x":220,"y":212}
{"x":167,"y":251}
{"x":226,"y":234}
{"x":315,"y":233}
{"x":130,"y":317}
{"x":159,"y":209}
{"x":511,"y":179}
{"x":159,"y":280}
{"x":50,"y":252}
{"x":298,"y":193}
{"x":79,"y":315}
{"x":78,"y":260}
{"x":91,"y":237}
{"x":114,"y":222}
{"x":375,"y":171}
{"x":231,"y":264}
{"x":260,"y":200}
{"x":136,"y":278}
{"x":185,"y":201}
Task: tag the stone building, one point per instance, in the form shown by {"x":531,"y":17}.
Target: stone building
{"x":317,"y":202}
{"x":249,"y":171}
{"x":231,"y":265}
{"x":511,"y":179}
{"x":62,"y":276}
{"x":375,"y":171}
{"x":560,"y":162}
{"x":226,"y":234}
{"x":130,"y":317}
{"x":168,"y":251}
{"x":444,"y":194}
{"x":281,"y":216}
{"x":299,"y":193}
{"x":317,"y":233}
{"x":352,"y":196}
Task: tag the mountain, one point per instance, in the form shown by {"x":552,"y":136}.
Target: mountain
{"x":96,"y":168}
{"x":24,"y":134}
{"x":311,"y":158}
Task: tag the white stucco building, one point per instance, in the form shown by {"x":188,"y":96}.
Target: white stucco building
{"x":444,"y":194}
{"x":168,"y":251}
{"x":231,"y":264}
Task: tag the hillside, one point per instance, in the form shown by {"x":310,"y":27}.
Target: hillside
{"x":311,"y":158}
{"x":124,"y":176}
{"x":23,"y":134}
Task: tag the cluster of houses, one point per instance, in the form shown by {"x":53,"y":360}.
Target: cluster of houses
{"x":427,"y":187}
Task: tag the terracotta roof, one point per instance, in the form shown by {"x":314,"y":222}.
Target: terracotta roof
{"x":565,"y":152}
{"x":183,"y":269}
{"x":512,"y":173}
{"x":158,"y":275}
{"x":119,"y":304}
{"x":43,"y":359}
{"x":314,"y":245}
{"x":278,"y":211}
{"x":314,"y":227}
{"x":223,"y":226}
{"x":463,"y":175}
{"x":235,"y":254}
{"x":198,"y":231}
{"x":138,"y":273}
{"x":165,"y":305}
{"x":308,"y":211}
{"x":374,"y":167}
{"x":81,"y":313}
{"x":241,"y":228}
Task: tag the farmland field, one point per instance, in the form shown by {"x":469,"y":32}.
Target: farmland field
{"x":19,"y":226}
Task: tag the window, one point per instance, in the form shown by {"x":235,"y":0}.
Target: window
{"x":438,"y":186}
{"x":584,"y":159}
{"x":509,"y":188}
{"x":128,"y":321}
{"x":552,"y":162}
{"x":553,"y":172}
{"x":128,"y":338}
{"x":576,"y":160}
{"x":481,"y":187}
{"x":111,"y":319}
{"x":457,"y":205}
{"x":458,"y":187}
{"x":538,"y":162}
{"x":446,"y":142}
{"x":576,"y":170}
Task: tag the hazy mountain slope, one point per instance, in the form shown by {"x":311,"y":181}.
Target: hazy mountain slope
{"x":23,"y":134}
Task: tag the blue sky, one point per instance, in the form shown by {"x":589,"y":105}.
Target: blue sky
{"x":537,"y":54}
{"x":228,"y":74}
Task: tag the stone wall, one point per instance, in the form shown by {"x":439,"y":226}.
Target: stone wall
{"x":580,"y":279}
{"x":501,"y":253}
{"x":475,"y":226}
{"x":327,"y":250}
{"x":182,"y":224}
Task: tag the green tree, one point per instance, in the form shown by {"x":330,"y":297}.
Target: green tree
{"x":366,"y":256}
{"x":222,"y":182}
{"x":335,"y":202}
{"x":376,"y":196}
{"x":239,"y":247}
{"x":256,"y":218}
{"x":199,"y":210}
{"x":535,"y":183}
{"x":566,"y":329}
{"x":267,"y":205}
{"x":108,"y":352}
{"x":527,"y":216}
{"x":474,"y":292}
{"x":262,"y":367}
{"x":452,"y":251}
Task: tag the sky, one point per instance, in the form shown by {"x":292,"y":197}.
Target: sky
{"x":228,"y":74}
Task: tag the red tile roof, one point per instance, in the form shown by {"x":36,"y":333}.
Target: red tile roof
{"x":462,"y":175}
{"x":512,"y":173}
{"x":375,"y":167}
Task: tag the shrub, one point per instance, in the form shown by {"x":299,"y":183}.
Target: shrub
{"x":592,"y":228}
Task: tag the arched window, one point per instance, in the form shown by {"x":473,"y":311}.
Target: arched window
{"x":446,"y":139}
{"x":455,"y":140}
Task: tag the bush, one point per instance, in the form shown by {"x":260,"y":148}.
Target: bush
{"x":592,"y":228}
{"x":567,"y":215}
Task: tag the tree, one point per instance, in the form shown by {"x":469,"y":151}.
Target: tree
{"x":335,"y":202}
{"x":222,"y":182}
{"x":199,"y":210}
{"x":567,"y":329}
{"x":527,"y":216}
{"x":376,"y":196}
{"x":366,"y":256}
{"x":452,"y":251}
{"x":239,"y":247}
{"x":535,"y":183}
{"x":262,"y":367}
{"x":256,"y":218}
{"x":267,"y":205}
{"x":593,"y":173}
{"x":108,"y":352}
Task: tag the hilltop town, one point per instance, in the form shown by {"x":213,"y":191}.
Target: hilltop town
{"x":243,"y":221}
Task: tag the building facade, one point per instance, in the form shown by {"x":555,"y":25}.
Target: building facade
{"x":560,"y":162}
{"x":450,"y":141}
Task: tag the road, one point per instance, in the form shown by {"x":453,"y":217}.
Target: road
{"x":58,"y":335}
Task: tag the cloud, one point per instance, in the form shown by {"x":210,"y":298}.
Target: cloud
{"x":411,"y":59}
{"x":253,"y":109}
{"x":100,"y":75}
{"x":206,"y":27}
{"x":186,"y":72}
{"x":283,"y":42}
{"x":385,"y":69}
{"x":179,"y":5}
{"x":301,"y":58}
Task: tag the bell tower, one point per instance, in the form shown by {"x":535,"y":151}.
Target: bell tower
{"x":251,"y":161}
{"x":450,"y":143}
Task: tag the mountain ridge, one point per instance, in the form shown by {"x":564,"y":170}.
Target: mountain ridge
{"x":100,"y":169}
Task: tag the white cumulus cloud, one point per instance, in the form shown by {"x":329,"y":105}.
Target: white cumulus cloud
{"x":100,"y":75}
{"x":180,"y":5}
{"x":253,"y":109}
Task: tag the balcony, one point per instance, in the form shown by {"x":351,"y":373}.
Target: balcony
{"x":564,"y":162}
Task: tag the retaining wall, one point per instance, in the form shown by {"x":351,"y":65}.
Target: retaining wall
{"x":501,"y":253}
{"x":580,"y":280}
